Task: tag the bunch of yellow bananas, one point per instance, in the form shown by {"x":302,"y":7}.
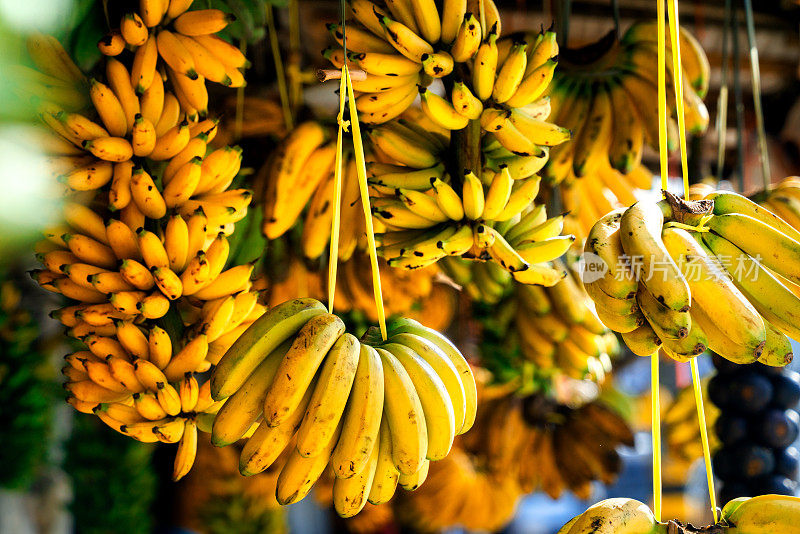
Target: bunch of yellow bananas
{"x":301,"y":172}
{"x":503,"y":88}
{"x":559,"y":332}
{"x":394,"y":44}
{"x":136,"y":246}
{"x":762,"y":514}
{"x":594,"y":195}
{"x":417,"y":378}
{"x":605,"y":94}
{"x":722,"y":278}
{"x":184,"y":40}
{"x":549,"y":446}
{"x":462,"y":491}
{"x":493,"y":219}
{"x":681,"y":429}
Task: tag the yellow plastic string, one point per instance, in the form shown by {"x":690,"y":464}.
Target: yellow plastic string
{"x":361,"y":169}
{"x":655,"y":404}
{"x":333,"y":260}
{"x":672,"y":8}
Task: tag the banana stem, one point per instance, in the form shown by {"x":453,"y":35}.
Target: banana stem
{"x":172,"y":323}
{"x":756,"y":75}
{"x":295,"y":55}
{"x":701,"y":418}
{"x":737,"y":95}
{"x":466,"y":145}
{"x":722,"y":102}
{"x":279,"y":71}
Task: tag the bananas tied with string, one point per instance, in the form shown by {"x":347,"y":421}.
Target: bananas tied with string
{"x":377,"y":411}
{"x":686,"y":276}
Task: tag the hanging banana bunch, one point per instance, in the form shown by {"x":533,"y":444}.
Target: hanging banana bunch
{"x":298,"y":178}
{"x":183,"y":43}
{"x":417,"y":378}
{"x":605,"y":94}
{"x":783,"y":199}
{"x":142,"y":253}
{"x":686,"y":276}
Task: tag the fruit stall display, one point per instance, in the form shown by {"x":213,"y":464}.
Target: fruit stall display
{"x":431,"y":291}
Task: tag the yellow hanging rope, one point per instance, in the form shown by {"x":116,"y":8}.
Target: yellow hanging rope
{"x":333,"y":259}
{"x":655,"y":403}
{"x":672,"y":8}
{"x":361,"y":170}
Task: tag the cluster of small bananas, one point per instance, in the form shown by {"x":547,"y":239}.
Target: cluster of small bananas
{"x":722,"y":278}
{"x":605,"y":94}
{"x":594,"y":195}
{"x":558,"y":331}
{"x":493,"y":219}
{"x":681,"y":430}
{"x":757,"y":515}
{"x":269,"y":377}
{"x":135,"y":246}
{"x":551,"y":446}
{"x":185,"y":43}
{"x":415,"y":294}
{"x":555,"y":327}
{"x":301,"y":172}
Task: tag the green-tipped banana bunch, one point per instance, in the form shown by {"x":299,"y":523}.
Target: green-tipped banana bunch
{"x":168,"y":37}
{"x":493,"y":218}
{"x":606,"y":94}
{"x":559,"y":332}
{"x":143,"y":250}
{"x":300,"y":381}
{"x":685,"y":276}
{"x":681,"y":430}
